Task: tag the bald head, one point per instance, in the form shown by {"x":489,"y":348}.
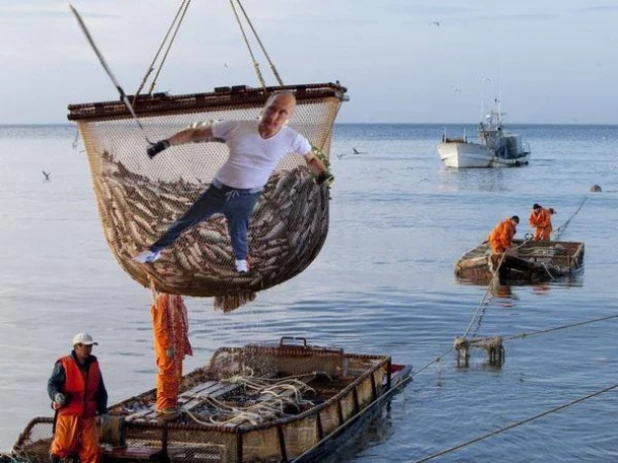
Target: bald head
{"x":282,"y":95}
{"x":278,"y":109}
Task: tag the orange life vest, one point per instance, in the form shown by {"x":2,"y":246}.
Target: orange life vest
{"x":80,"y":389}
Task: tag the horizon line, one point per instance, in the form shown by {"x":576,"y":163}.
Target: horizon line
{"x":71,"y":124}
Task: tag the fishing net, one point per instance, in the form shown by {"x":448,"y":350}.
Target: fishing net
{"x":139,"y":198}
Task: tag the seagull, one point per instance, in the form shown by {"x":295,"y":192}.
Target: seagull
{"x":46,"y":174}
{"x":355,"y":151}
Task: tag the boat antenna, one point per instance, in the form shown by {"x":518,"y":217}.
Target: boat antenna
{"x":109,"y":72}
{"x":483,"y":80}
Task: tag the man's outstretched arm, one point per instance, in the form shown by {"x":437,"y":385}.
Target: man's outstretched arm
{"x":185,"y":136}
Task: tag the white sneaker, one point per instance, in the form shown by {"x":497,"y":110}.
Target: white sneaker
{"x":242,"y":266}
{"x":147,"y":256}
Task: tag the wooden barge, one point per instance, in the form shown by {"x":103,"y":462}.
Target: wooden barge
{"x":260,"y":403}
{"x":533,"y":262}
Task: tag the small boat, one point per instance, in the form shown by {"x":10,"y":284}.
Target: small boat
{"x":535,"y":261}
{"x":494,"y":147}
{"x":287,"y":401}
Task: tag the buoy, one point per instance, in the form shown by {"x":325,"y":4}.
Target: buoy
{"x":595,"y":189}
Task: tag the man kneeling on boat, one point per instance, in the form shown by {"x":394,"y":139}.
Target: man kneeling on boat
{"x":501,"y":237}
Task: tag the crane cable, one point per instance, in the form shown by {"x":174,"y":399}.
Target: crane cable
{"x":175,"y":26}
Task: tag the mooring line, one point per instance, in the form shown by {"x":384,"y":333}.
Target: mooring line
{"x":563,"y":227}
{"x":517,"y":423}
{"x":548,"y":330}
{"x":491,"y":282}
{"x":436,"y":360}
{"x":485,"y":302}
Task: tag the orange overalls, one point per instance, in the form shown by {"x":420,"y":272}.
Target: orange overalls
{"x":501,"y":236}
{"x":76,"y":431}
{"x":171,"y":342}
{"x":541,"y":222}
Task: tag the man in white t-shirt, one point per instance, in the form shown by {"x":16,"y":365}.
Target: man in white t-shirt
{"x":255,"y":149}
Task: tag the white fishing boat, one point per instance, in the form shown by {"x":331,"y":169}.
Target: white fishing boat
{"x":494,"y":146}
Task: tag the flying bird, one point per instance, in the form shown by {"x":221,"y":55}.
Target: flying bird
{"x":354,"y":151}
{"x":46,"y":174}
{"x":435,"y":23}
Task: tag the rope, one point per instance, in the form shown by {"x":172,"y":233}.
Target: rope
{"x":256,"y":65}
{"x":123,"y":96}
{"x":8,"y":458}
{"x":548,"y":330}
{"x":489,"y":286}
{"x":283,"y":393}
{"x":558,"y":231}
{"x":517,"y":423}
{"x":151,"y":67}
{"x":153,"y":291}
{"x":182,"y":17}
{"x":491,"y":282}
{"x":547,"y":270}
{"x":436,"y":360}
{"x":272,"y":66}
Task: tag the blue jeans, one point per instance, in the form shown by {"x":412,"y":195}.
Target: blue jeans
{"x":234,"y":203}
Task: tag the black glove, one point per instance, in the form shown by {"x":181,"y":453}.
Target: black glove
{"x":324,"y":178}
{"x":157,"y":147}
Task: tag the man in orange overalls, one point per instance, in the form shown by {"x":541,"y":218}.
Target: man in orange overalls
{"x":501,"y":237}
{"x":540,"y":220}
{"x":78,"y":395}
{"x":171,"y":342}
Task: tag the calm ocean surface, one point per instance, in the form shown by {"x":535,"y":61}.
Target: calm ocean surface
{"x":383,"y":284}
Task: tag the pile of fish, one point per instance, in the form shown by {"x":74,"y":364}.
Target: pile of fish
{"x":288,"y":228}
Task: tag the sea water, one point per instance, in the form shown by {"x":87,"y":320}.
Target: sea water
{"x":382,"y":284}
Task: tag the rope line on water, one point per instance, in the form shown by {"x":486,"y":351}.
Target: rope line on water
{"x":558,"y":231}
{"x":436,"y":360}
{"x":484,"y":300}
{"x":517,"y":423}
{"x":548,"y":330}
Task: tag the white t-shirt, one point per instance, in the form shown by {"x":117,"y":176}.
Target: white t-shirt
{"x":253,"y":158}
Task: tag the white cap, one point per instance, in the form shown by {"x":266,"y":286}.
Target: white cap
{"x":84,"y":338}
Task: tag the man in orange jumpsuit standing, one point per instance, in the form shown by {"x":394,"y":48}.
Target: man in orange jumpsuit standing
{"x":501,"y":237}
{"x":78,"y":394}
{"x":540,"y":220}
{"x":171,"y":342}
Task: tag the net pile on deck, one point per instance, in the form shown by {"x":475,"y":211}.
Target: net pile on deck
{"x":139,"y":198}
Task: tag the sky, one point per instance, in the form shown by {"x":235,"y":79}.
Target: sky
{"x":403,"y":61}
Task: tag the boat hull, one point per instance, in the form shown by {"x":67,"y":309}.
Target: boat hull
{"x":536,"y":262}
{"x":346,"y":392}
{"x":461,"y":155}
